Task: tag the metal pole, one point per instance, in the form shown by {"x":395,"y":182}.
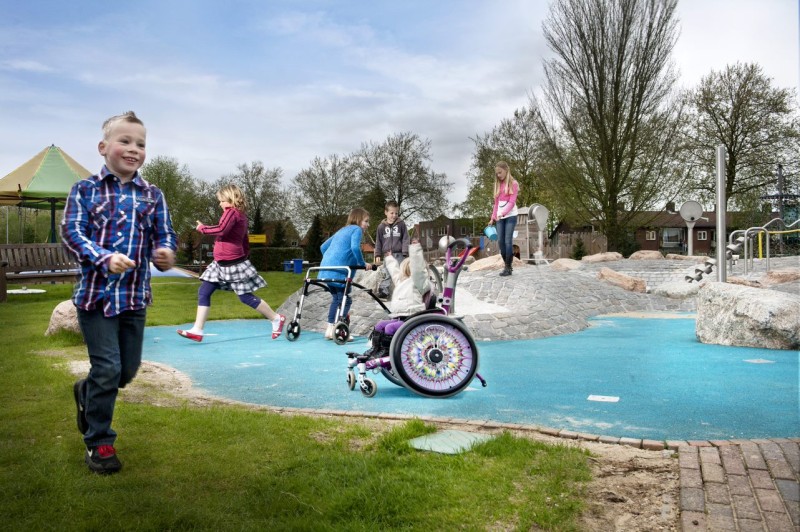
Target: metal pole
{"x":721,"y":210}
{"x":690,"y":227}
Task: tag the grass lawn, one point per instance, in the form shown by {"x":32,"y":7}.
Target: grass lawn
{"x":233,"y":468}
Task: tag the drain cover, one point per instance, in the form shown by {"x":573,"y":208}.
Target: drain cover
{"x":449,"y":441}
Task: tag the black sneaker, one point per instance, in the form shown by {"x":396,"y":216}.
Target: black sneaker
{"x":78,"y":392}
{"x":102,"y":459}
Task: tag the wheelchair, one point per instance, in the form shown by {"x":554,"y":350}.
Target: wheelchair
{"x":432,"y":353}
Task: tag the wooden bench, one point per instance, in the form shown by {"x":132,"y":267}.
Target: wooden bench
{"x":36,"y":264}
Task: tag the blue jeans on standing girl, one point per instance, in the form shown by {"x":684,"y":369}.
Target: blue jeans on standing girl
{"x":505,"y":238}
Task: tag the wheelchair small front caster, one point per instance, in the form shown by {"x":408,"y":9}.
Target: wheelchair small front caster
{"x":351,"y":380}
{"x":369,"y":388}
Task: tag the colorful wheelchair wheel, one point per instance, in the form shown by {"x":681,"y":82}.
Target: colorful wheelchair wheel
{"x":292,"y":331}
{"x":434,"y":355}
{"x":341,"y":333}
{"x":391,"y":377}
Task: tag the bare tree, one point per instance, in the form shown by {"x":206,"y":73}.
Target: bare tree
{"x":328,"y":188}
{"x":757,"y":124}
{"x":400,"y":167}
{"x":607,"y":116}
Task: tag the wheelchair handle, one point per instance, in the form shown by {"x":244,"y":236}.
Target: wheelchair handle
{"x":453,"y":268}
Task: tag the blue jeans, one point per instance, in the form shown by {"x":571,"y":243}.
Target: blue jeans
{"x":115,"y":353}
{"x":337,"y":293}
{"x":505,"y":238}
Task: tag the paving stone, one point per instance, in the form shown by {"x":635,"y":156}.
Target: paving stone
{"x":693,"y":521}
{"x":769,"y":500}
{"x":691,"y":478}
{"x":720,"y":517}
{"x":780,"y":468}
{"x":752,"y":456}
{"x":713,"y":473}
{"x":732,"y":460}
{"x":748,"y":525}
{"x":760,"y":479}
{"x":688,"y":457}
{"x":746,"y":507}
{"x":791,"y":451}
{"x":740,"y":485}
{"x":717,"y":493}
{"x":692,"y":500}
{"x":789,"y":489}
{"x":709,"y":455}
{"x":778,"y":522}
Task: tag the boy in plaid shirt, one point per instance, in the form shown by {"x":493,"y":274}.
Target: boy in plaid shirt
{"x":115,"y":223}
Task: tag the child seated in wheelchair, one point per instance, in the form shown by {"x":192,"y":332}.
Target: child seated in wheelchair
{"x":411,"y":286}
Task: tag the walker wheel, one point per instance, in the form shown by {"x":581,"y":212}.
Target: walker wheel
{"x":292,"y":331}
{"x":351,"y":380}
{"x":369,"y":388}
{"x":341,"y":333}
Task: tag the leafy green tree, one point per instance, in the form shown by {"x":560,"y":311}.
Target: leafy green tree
{"x":758,"y":125}
{"x":178,"y":186}
{"x":608,"y":117}
{"x":400,"y":166}
{"x":312,"y":251}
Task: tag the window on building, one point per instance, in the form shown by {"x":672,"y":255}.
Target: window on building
{"x":649,"y":235}
{"x":702,"y":235}
{"x":294,"y":243}
{"x":442,"y":231}
{"x":671,"y":237}
{"x":430,"y":231}
{"x":463,"y":231}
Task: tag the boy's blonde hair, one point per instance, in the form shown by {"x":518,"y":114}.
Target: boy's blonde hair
{"x":233,"y":195}
{"x":109,"y":124}
{"x":357,"y":216}
{"x":508,"y":183}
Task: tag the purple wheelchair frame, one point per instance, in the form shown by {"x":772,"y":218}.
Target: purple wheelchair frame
{"x":432,"y":354}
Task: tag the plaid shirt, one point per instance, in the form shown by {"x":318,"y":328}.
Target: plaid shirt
{"x":102,"y":216}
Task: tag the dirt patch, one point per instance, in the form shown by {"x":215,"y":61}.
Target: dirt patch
{"x":632,"y":489}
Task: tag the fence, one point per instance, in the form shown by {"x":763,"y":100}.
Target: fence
{"x":562,"y":245}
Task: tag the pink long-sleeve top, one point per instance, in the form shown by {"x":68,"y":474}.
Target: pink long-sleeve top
{"x":231,"y":232}
{"x":505,"y":204}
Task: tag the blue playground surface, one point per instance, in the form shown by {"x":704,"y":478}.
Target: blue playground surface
{"x":622,"y":377}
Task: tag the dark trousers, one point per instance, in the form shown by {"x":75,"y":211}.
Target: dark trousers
{"x":115,"y":354}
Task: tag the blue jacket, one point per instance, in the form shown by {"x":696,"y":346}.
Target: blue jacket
{"x":342,"y":249}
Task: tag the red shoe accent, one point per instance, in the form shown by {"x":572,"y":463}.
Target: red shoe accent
{"x":191,"y":336}
{"x":104,"y":451}
{"x":276,"y":334}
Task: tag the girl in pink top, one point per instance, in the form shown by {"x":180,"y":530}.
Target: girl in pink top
{"x":504,"y":213}
{"x":231,"y":269}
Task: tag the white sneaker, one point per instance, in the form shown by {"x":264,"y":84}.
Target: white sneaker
{"x":329,"y":332}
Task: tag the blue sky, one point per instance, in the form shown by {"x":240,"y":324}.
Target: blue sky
{"x":224,"y":83}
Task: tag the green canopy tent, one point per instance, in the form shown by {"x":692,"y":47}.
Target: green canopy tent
{"x":43,"y":182}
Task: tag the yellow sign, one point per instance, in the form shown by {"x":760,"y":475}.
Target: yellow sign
{"x":257,"y":239}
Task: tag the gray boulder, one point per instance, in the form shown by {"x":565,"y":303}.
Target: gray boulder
{"x":64,"y":317}
{"x":729,"y":314}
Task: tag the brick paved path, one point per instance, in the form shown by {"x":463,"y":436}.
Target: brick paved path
{"x":740,"y":485}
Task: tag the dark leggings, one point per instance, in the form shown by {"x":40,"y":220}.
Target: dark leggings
{"x":206,"y":289}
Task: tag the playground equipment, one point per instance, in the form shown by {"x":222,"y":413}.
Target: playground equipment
{"x":432,"y":354}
